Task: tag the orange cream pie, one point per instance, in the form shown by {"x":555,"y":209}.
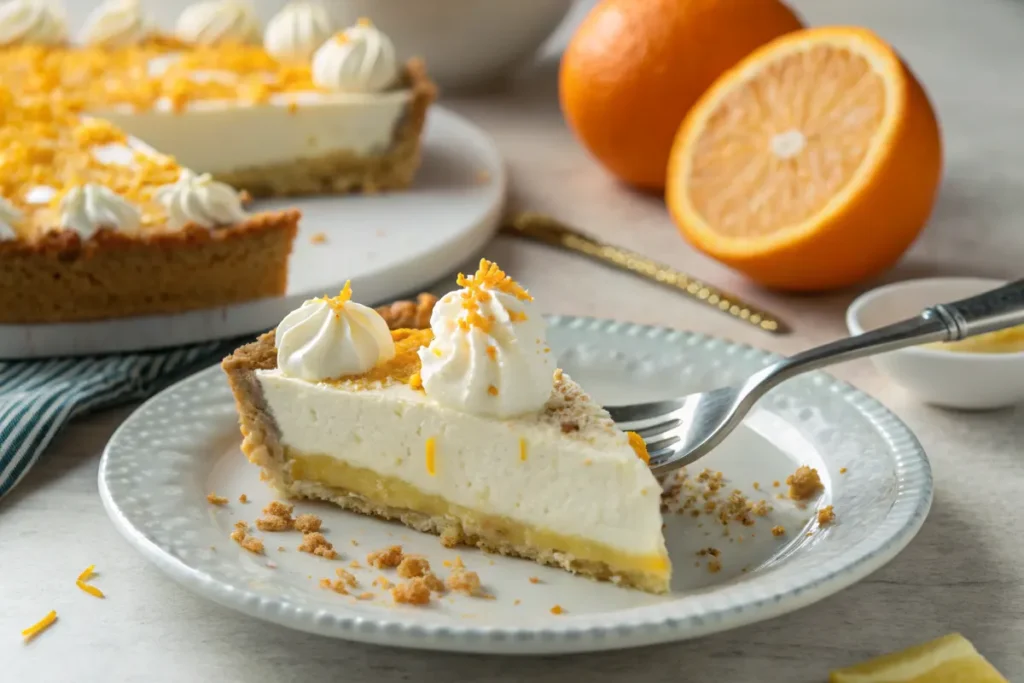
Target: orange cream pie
{"x":90,"y":211}
{"x":464,"y":429}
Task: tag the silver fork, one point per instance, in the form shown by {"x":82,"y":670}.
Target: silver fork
{"x":681,"y":430}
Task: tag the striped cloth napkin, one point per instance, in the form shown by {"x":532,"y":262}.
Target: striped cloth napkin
{"x":39,"y":397}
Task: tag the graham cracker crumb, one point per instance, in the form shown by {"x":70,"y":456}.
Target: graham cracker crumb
{"x":757,"y":486}
{"x":842,"y":470}
{"x":464,"y":581}
{"x":241,"y":536}
{"x":826,"y":515}
{"x":346,"y":577}
{"x":243,"y":498}
{"x":355,"y":564}
{"x":280,"y":548}
{"x":557,"y":609}
{"x":713,"y":552}
{"x":776,"y":484}
{"x":450,"y":537}
{"x":274,"y":523}
{"x":365,"y":596}
{"x":415,"y":591}
{"x":318,"y":238}
{"x":412,"y":566}
{"x":388,"y":558}
{"x":316,"y":544}
{"x":278,"y":509}
{"x":336,"y":585}
{"x":307,"y":523}
{"x":778,"y":530}
{"x":715,"y":566}
{"x":570,"y":427}
{"x":214,"y":499}
{"x":382,"y":582}
{"x":354,"y":542}
{"x":534,"y":579}
{"x":433,"y":583}
{"x":804,"y":483}
{"x":516,"y":601}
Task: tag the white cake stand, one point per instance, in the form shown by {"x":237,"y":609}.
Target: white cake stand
{"x":389,"y":245}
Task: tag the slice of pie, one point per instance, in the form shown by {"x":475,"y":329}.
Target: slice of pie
{"x":463,"y":429}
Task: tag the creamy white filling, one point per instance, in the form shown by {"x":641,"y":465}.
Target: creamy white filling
{"x":590,"y":484}
{"x":219,"y":136}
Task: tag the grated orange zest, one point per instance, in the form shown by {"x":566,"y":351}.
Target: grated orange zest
{"x":637,"y":443}
{"x":40,"y":626}
{"x":90,"y":589}
{"x":86,"y":573}
{"x":430,"y":449}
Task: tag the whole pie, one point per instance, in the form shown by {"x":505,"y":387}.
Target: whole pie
{"x":451,"y":417}
{"x":128,"y":158}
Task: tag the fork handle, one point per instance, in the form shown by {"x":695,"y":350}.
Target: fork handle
{"x":994,"y":310}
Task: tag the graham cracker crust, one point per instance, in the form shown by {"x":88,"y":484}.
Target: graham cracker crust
{"x":344,"y":172}
{"x":262,"y":445}
{"x":61,"y":278}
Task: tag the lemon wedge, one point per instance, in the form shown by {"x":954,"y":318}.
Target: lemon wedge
{"x":950,"y":659}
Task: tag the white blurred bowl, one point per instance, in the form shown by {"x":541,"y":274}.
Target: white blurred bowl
{"x":464,"y":42}
{"x":969,"y":381}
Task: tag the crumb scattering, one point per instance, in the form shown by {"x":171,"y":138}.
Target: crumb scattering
{"x":386,"y":558}
{"x":412,"y":566}
{"x":826,"y":515}
{"x":318,"y":238}
{"x":241,"y":536}
{"x":778,"y":530}
{"x":534,"y":579}
{"x":804,"y":483}
{"x":365,"y":596}
{"x":273,"y":523}
{"x":242,"y":498}
{"x":715,"y":566}
{"x":214,"y":499}
{"x":842,"y":470}
{"x":307,"y":523}
{"x":40,"y":626}
{"x":382,"y":581}
{"x":316,"y":544}
{"x":415,"y":591}
{"x":336,"y":585}
{"x":347,"y":577}
{"x":433,"y":583}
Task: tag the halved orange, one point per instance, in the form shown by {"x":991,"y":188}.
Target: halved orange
{"x":812,"y":164}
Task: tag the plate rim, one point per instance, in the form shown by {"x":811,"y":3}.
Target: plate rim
{"x":647,"y":625}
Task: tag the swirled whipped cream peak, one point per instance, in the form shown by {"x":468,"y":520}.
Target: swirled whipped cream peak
{"x":359,"y":59}
{"x":334,"y":337}
{"x":201,"y":200}
{"x":32,"y":22}
{"x":216,"y":22}
{"x":116,"y":23}
{"x":297,"y":31}
{"x":489,"y":355}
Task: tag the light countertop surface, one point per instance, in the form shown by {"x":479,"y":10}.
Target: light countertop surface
{"x":962,"y":573}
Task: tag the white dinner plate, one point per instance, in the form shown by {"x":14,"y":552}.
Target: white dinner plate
{"x":184,"y":443}
{"x":388,"y":244}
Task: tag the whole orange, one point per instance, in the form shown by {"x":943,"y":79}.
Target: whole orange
{"x":634,"y":68}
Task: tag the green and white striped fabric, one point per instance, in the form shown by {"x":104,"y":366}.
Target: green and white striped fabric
{"x":37,"y":398}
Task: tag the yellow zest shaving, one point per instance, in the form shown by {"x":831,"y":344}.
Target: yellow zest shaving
{"x":492,"y":352}
{"x":492,"y":390}
{"x":637,"y":442}
{"x":522,"y":448}
{"x":337,"y":303}
{"x":91,"y":590}
{"x":416,"y":382}
{"x":431,"y":455}
{"x":436,"y":352}
{"x":517,"y":316}
{"x":40,"y":626}
{"x":86,"y":573}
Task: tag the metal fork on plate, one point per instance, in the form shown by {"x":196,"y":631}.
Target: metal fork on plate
{"x":681,"y":430}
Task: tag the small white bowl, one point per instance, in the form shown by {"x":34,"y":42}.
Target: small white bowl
{"x":969,"y":381}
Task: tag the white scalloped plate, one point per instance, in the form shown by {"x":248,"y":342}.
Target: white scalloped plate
{"x":184,"y":443}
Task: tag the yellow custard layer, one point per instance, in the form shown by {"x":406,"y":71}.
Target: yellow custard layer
{"x":500,"y":530}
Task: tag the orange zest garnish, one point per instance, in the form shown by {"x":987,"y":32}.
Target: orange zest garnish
{"x":492,"y":352}
{"x":416,"y":382}
{"x":492,"y":390}
{"x":477,"y":290}
{"x":637,"y":443}
{"x":557,"y":609}
{"x":91,"y":590}
{"x":431,"y":456}
{"x":337,"y":303}
{"x":40,"y":626}
{"x":86,"y":573}
{"x":522,"y":448}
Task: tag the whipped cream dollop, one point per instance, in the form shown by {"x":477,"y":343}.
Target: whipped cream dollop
{"x":214,"y":22}
{"x":489,"y":355}
{"x":31,"y":22}
{"x":297,"y":31}
{"x":9,"y":216}
{"x":330,"y":338}
{"x":359,"y":59}
{"x":87,"y":208}
{"x":116,"y":23}
{"x":201,"y":200}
